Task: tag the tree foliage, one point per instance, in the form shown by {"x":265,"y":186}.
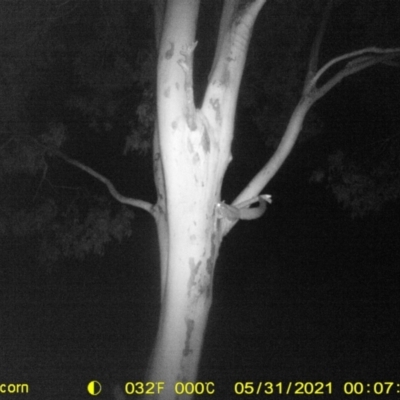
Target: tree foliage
{"x":66,"y":84}
{"x":56,"y":70}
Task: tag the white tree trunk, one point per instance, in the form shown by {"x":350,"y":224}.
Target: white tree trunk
{"x":191,"y":156}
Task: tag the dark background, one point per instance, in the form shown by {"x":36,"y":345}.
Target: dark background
{"x":304,"y":294}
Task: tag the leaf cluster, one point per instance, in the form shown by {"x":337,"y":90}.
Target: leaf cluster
{"x":85,"y":227}
{"x":67,"y":68}
{"x":363,"y":190}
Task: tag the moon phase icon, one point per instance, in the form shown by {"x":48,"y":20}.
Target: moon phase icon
{"x":94,"y":388}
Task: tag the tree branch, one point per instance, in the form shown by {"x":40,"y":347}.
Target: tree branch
{"x":144,"y":205}
{"x":351,"y":68}
{"x":362,"y":59}
{"x":224,"y":24}
{"x":313,"y":61}
{"x":374,"y":50}
{"x":286,"y":144}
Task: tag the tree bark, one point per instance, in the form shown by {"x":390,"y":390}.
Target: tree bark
{"x":191,"y":157}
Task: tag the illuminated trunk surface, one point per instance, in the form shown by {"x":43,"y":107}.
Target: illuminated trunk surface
{"x":192,"y":152}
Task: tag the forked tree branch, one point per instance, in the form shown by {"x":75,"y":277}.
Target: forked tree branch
{"x":372,"y":53}
{"x":354,"y":66}
{"x":314,"y":56}
{"x":361,"y":59}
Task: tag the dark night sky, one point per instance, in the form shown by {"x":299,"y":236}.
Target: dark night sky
{"x":306,"y":293}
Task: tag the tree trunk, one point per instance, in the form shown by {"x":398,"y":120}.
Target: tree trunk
{"x":187,"y":299}
{"x":192,"y":152}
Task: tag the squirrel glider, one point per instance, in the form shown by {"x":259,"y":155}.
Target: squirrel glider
{"x":242,"y":210}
